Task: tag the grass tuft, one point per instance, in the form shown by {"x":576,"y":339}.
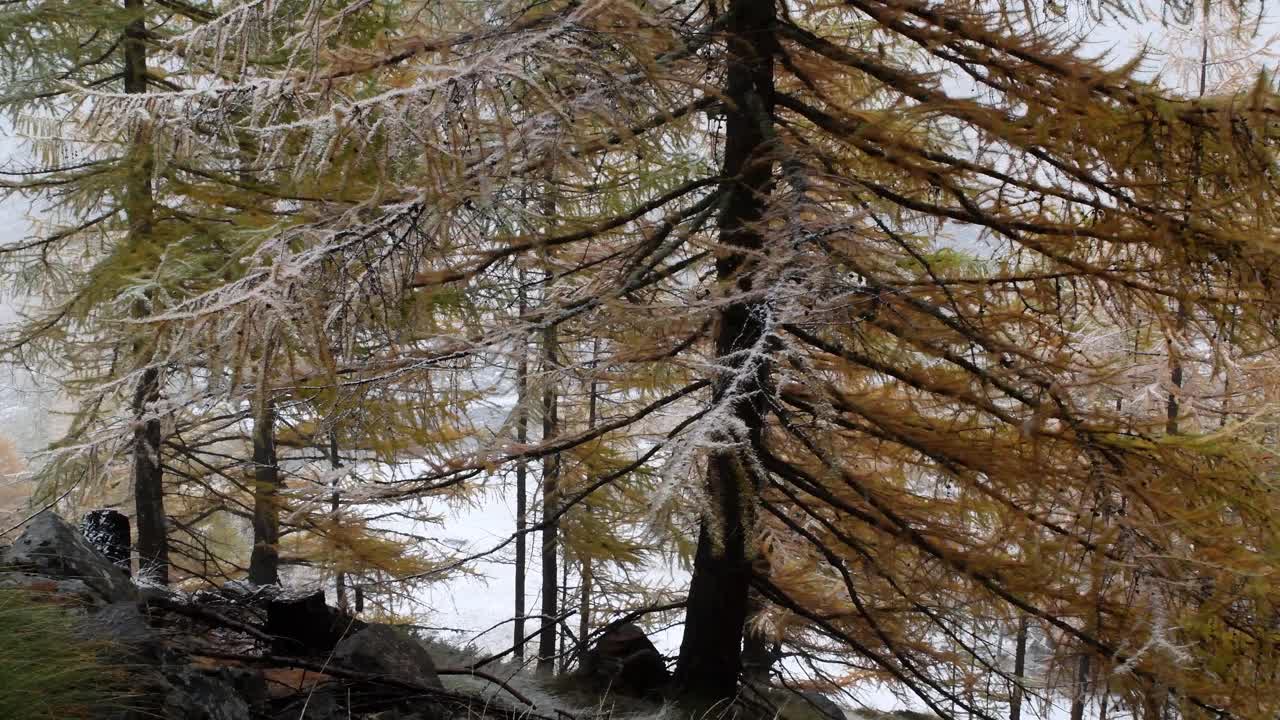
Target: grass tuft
{"x":47,"y":670}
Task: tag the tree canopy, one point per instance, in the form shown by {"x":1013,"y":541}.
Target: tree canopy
{"x":892,"y":319}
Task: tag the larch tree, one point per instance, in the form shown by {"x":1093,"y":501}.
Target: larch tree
{"x":96,"y":263}
{"x":763,"y":204}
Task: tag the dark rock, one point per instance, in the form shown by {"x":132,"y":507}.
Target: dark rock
{"x":625,"y":661}
{"x":203,"y":695}
{"x":52,"y":547}
{"x":107,"y":531}
{"x":821,"y":704}
{"x":385,"y":651}
{"x":70,"y":592}
{"x":793,"y":704}
{"x":322,"y":705}
{"x":119,"y":623}
{"x":250,"y":684}
{"x":306,"y":625}
{"x":394,"y":714}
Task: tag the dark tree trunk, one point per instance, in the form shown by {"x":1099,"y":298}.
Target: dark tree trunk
{"x":264,"y":563}
{"x":563,"y":627}
{"x":757,"y":660}
{"x":1019,"y":667}
{"x":1153,"y":700}
{"x":148,"y":476}
{"x":584,"y":605}
{"x":339,"y":577}
{"x":550,"y":499}
{"x":585,"y":572}
{"x":1080,"y":693}
{"x":711,"y":651}
{"x":1171,"y":406}
{"x":148,"y":484}
{"x":522,"y":478}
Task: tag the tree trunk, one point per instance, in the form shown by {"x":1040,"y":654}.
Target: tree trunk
{"x":522,"y":477}
{"x":711,"y":650}
{"x":563,"y":627}
{"x":1019,"y":667}
{"x":584,"y":606}
{"x":264,"y":563}
{"x":585,"y":573}
{"x":1080,"y":693}
{"x":148,"y":475}
{"x":1153,"y":700}
{"x":148,"y":484}
{"x":757,"y":660}
{"x":550,"y":492}
{"x":339,"y":577}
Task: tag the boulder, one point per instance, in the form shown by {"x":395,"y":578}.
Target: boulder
{"x":821,"y":704}
{"x":625,"y":661}
{"x":304,"y":624}
{"x":320,"y":704}
{"x":52,"y":547}
{"x":69,"y":592}
{"x":196,"y":694}
{"x":388,"y":652}
{"x":795,"y":704}
{"x":121,"y":624}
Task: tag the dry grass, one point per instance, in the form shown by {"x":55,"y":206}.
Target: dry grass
{"x":46,"y":670}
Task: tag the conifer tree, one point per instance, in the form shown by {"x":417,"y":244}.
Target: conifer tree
{"x":760,"y":206}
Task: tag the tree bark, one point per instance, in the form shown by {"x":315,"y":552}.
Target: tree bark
{"x":711,"y":651}
{"x":148,"y":475}
{"x":148,"y":484}
{"x":1080,"y":693}
{"x":563,"y":627}
{"x":1019,"y":667}
{"x":264,"y":563}
{"x":585,"y":572}
{"x":584,"y":605}
{"x":339,"y":577}
{"x":550,"y":499}
{"x":757,"y":659}
{"x":522,"y":477}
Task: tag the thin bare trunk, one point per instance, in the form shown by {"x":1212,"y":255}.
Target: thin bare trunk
{"x":584,"y":605}
{"x":148,"y":475}
{"x":585,"y":572}
{"x":264,"y":562}
{"x":564,"y":626}
{"x":148,"y":484}
{"x":550,"y":498}
{"x":1019,"y":668}
{"x":340,"y":577}
{"x":1080,"y":693}
{"x":522,"y":477}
